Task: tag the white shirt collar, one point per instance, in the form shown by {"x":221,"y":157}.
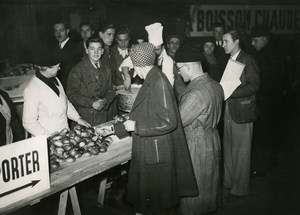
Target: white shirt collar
{"x":64,"y":43}
{"x":122,"y":52}
{"x":235,"y":56}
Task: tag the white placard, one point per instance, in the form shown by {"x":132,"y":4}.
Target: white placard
{"x":231,"y":77}
{"x":24,"y":169}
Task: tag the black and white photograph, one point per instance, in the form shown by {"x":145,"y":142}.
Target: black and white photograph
{"x":149,"y":107}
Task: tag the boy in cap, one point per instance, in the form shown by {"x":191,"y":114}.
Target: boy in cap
{"x":160,"y":170}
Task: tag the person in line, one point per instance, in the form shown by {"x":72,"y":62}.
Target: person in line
{"x":160,"y":171}
{"x":240,"y":113}
{"x":200,"y":109}
{"x":174,"y":42}
{"x":118,"y":55}
{"x":267,"y":129}
{"x":11,"y":129}
{"x":107,"y":33}
{"x":209,"y":61}
{"x":90,"y":86}
{"x":219,"y":52}
{"x":68,"y":48}
{"x":86,"y":30}
{"x":46,"y":108}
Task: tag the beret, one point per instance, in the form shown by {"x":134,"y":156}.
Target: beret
{"x":188,"y":54}
{"x":46,"y":56}
{"x":260,"y":31}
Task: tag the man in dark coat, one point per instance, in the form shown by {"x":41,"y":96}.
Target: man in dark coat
{"x":161,"y":171}
{"x":270,"y":98}
{"x":69,"y":50}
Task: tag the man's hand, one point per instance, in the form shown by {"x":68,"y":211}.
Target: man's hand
{"x":127,"y":78}
{"x":83,"y":122}
{"x":99,"y":104}
{"x":129,"y":125}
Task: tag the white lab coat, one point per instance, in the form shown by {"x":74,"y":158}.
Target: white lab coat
{"x":167,"y":64}
{"x":44,"y":112}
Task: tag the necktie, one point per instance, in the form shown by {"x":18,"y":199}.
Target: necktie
{"x":97,"y":65}
{"x":59,"y":45}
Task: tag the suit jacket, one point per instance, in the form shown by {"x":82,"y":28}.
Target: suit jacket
{"x":242,"y":102}
{"x":70,"y":55}
{"x":161,"y":168}
{"x":85,"y":85}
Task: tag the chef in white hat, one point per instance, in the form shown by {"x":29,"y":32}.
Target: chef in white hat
{"x":155,"y":32}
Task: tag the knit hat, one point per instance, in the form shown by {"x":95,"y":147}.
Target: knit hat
{"x":155,"y":32}
{"x":187,"y":55}
{"x":142,"y":54}
{"x":260,"y":31}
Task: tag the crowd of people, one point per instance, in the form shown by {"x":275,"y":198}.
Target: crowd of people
{"x":185,"y":137}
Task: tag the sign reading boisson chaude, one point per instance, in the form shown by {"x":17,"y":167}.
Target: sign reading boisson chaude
{"x":279,"y":19}
{"x":24,"y":169}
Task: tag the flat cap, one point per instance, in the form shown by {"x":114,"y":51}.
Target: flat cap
{"x":260,"y":31}
{"x":188,"y":54}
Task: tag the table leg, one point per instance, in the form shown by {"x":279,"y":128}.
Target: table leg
{"x":101,"y":194}
{"x":63,"y":203}
{"x":74,"y":201}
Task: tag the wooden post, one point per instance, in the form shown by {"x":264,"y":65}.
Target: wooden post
{"x":101,"y":194}
{"x":63,"y":203}
{"x":74,"y":201}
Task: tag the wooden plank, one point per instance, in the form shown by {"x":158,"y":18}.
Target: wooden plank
{"x":70,"y":174}
{"x":74,"y":201}
{"x":63,"y":203}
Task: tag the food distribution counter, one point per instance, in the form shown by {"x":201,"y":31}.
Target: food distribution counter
{"x":69,"y":174}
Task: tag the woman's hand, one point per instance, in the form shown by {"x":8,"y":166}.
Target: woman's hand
{"x":129,"y":125}
{"x":83,"y":122}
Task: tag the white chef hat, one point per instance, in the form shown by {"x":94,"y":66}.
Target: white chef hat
{"x":155,"y":31}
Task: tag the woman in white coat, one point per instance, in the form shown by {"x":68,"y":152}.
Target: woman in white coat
{"x":46,"y":107}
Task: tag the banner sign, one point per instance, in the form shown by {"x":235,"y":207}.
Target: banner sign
{"x":24,"y":169}
{"x":280,"y":19}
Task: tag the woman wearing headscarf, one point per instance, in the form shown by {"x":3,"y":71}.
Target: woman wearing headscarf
{"x":46,"y":107}
{"x":10,"y":126}
{"x":161,"y":170}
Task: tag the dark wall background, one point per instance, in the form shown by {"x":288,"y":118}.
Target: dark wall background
{"x":24,"y":23}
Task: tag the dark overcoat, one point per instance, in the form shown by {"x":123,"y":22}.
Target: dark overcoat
{"x":161,"y":171}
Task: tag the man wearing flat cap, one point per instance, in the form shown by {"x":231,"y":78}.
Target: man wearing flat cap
{"x":269,"y":100}
{"x":200,"y":108}
{"x":161,"y":170}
